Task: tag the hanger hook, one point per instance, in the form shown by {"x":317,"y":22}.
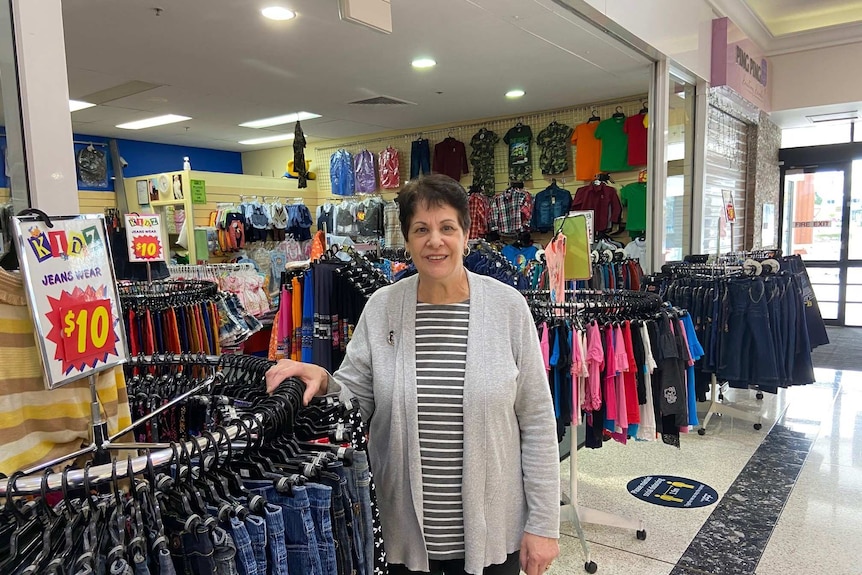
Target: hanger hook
{"x":37,"y":212}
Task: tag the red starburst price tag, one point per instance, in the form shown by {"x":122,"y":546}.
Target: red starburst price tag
{"x":147,"y":248}
{"x":86,"y":330}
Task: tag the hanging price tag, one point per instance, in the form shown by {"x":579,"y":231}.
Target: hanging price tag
{"x":144,"y":238}
{"x":87,"y":330}
{"x":72,"y":295}
{"x":147,"y":248}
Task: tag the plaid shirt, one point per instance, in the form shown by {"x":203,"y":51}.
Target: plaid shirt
{"x":480,"y":212}
{"x":392,"y":236}
{"x":511,"y":211}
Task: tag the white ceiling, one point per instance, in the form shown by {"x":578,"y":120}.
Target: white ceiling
{"x":791,"y":16}
{"x":222,"y":63}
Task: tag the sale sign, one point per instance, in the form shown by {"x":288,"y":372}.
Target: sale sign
{"x":144,"y":238}
{"x":72,"y":295}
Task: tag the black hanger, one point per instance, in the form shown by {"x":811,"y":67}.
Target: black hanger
{"x":644,"y":108}
{"x":595,"y":117}
{"x":619,"y":112}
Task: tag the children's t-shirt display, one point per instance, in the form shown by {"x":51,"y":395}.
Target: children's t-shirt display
{"x":615,"y":144}
{"x":635,"y":129}
{"x":520,"y":139}
{"x":519,"y":256}
{"x":634,"y":196}
{"x":554,"y":141}
{"x":482,"y":157}
{"x":589,"y":151}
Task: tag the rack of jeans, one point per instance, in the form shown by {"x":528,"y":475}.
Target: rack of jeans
{"x":240,"y":497}
{"x":751,"y":318}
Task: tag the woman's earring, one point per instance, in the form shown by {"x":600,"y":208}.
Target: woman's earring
{"x":407,"y":255}
{"x":466,"y":251}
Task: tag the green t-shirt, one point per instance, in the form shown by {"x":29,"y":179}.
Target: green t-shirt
{"x":615,"y":145}
{"x":519,"y":140}
{"x":634,"y":196}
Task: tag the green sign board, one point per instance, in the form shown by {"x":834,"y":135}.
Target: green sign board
{"x":199,"y":191}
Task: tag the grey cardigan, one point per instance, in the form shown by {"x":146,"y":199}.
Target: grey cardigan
{"x":511,"y":462}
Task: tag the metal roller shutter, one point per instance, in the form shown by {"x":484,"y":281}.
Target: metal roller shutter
{"x":726,"y":169}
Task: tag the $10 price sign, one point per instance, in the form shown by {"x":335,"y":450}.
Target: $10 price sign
{"x":144,"y":238}
{"x":72,"y":295}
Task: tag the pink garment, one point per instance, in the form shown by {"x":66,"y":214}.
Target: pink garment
{"x":610,"y":376}
{"x":595,"y":362}
{"x":390,"y":177}
{"x":544,"y":345}
{"x":555,"y":256}
{"x":622,"y":365}
{"x":577,"y":380}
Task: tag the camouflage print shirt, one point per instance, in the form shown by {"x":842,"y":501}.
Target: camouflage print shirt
{"x":554,"y":141}
{"x":482,"y":158}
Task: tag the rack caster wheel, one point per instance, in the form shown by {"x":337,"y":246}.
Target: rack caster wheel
{"x":591,"y":567}
{"x":759,"y":395}
{"x":641,"y":534}
{"x":758,"y":426}
{"x":701,"y":431}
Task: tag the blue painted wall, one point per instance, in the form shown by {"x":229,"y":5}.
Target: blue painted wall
{"x":146,"y":158}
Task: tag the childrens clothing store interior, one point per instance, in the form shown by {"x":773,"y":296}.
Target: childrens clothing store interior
{"x":667,"y":184}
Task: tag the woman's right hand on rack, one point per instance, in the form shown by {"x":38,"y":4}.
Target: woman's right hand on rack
{"x":315,"y":377}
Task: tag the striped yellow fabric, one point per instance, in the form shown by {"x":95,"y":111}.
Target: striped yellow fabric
{"x":37,"y":424}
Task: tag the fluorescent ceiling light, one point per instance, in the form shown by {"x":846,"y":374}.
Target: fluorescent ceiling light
{"x":75,"y":105}
{"x":514,"y":93}
{"x":267,"y":139}
{"x":152,"y":122}
{"x":279,"y":120}
{"x":422,"y":63}
{"x":847,"y":116}
{"x":278,"y":13}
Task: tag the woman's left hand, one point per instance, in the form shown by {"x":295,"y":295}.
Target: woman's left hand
{"x":537,"y":553}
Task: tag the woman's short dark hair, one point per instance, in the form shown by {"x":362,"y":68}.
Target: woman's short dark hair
{"x":433,"y":190}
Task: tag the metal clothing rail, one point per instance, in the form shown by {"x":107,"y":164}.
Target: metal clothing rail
{"x":26,"y":484}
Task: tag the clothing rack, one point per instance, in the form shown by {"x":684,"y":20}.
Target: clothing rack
{"x":207,"y":272}
{"x":588,"y":301}
{"x":167,"y":293}
{"x":289,"y":400}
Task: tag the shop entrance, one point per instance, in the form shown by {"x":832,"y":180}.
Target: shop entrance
{"x":823,"y":224}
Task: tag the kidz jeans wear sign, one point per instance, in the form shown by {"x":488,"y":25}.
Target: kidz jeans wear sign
{"x":739,"y":64}
{"x":72,"y":295}
{"x":144,"y":238}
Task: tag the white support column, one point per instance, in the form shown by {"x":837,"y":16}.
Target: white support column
{"x":44,"y":92}
{"x":701,"y":107}
{"x":657,"y":158}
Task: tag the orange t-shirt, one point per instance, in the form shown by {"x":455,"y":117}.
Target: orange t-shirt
{"x":589,"y":153}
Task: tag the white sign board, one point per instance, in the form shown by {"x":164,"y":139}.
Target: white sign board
{"x":144,"y":238}
{"x":72,"y":295}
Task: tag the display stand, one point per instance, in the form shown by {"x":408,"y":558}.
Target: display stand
{"x":717,"y":406}
{"x":576,"y":514}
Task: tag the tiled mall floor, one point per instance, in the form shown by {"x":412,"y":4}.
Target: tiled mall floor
{"x":790,"y":494}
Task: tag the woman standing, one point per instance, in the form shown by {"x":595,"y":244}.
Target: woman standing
{"x":447,"y":370}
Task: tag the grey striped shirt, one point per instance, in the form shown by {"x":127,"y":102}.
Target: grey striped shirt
{"x":441,"y":359}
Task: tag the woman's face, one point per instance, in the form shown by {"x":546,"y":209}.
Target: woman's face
{"x":436,"y":242}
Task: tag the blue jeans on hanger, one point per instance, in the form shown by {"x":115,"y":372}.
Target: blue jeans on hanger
{"x":420,"y":158}
{"x":224,"y":552}
{"x":359,"y":489}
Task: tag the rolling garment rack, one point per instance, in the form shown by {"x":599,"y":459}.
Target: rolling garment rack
{"x":735,"y":264}
{"x":584,"y":303}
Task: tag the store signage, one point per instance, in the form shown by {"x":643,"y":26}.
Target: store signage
{"x":199,"y":191}
{"x":72,"y":295}
{"x":814,"y":224}
{"x":739,"y":64}
{"x":672,"y":491}
{"x":729,"y":209}
{"x":144,"y":238}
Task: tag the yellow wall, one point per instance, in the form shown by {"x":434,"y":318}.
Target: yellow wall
{"x":90,"y":202}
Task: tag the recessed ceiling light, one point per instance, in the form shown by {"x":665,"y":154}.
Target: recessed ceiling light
{"x":75,"y":105}
{"x":279,"y":120}
{"x":278,"y":13}
{"x":514,"y":93}
{"x":152,"y":122}
{"x":422,"y":63}
{"x":267,"y":139}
